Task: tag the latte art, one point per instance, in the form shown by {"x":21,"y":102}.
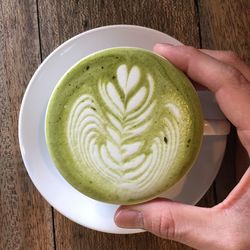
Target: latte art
{"x":110,"y":139}
{"x":121,"y":130}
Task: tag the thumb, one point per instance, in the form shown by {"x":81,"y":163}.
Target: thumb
{"x":193,"y":226}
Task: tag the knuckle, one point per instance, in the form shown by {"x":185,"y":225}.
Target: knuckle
{"x":231,"y":56}
{"x":190,"y":50}
{"x":234,"y":74}
{"x":164,"y":225}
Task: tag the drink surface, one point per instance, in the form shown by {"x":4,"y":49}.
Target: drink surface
{"x":123,"y":125}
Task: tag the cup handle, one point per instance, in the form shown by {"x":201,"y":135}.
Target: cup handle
{"x":216,"y":127}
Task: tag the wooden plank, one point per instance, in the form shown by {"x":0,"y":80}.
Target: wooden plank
{"x":225,"y":26}
{"x":25,"y":217}
{"x":59,"y":21}
{"x":71,"y":236}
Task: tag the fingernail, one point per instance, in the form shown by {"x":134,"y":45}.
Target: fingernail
{"x":165,"y":44}
{"x":161,"y":48}
{"x":162,"y":45}
{"x":129,"y":219}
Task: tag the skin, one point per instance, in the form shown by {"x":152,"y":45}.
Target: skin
{"x":226,"y":225}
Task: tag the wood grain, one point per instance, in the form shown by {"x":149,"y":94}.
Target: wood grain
{"x":59,"y":21}
{"x":224,"y":25}
{"x":74,"y":237}
{"x":25,"y":218}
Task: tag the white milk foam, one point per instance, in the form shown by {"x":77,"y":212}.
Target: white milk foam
{"x":110,"y":143}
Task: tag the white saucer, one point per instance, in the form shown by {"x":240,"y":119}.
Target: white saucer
{"x":61,"y":195}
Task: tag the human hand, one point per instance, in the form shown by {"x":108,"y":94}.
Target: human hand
{"x":226,"y":225}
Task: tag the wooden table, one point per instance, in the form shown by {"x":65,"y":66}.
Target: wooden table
{"x":29,"y":31}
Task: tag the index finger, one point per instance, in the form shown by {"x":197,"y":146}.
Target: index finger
{"x":199,"y":66}
{"x":231,"y":89}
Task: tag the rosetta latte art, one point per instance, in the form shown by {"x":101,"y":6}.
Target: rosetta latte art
{"x":108,"y":137}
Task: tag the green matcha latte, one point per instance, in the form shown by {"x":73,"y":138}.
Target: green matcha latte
{"x":123,"y":125}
